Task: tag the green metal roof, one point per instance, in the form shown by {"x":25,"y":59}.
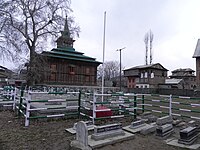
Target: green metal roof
{"x":66,"y":49}
{"x":71,"y":58}
{"x":69,"y":54}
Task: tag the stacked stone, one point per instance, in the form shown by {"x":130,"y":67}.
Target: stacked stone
{"x":106,"y":131}
{"x":164,"y":126}
{"x":188,"y":135}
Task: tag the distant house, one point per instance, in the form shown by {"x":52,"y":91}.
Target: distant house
{"x":187,"y":75}
{"x":68,"y":66}
{"x":5,"y":74}
{"x":172,"y":84}
{"x":146,"y":76}
{"x":197,"y":56}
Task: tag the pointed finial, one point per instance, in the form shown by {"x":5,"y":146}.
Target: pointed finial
{"x":66,"y":32}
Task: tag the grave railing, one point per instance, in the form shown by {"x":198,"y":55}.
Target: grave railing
{"x":60,"y":105}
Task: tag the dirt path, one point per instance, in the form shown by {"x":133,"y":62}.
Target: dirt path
{"x":51,"y":135}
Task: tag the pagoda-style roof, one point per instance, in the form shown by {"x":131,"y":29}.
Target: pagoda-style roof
{"x":197,"y":50}
{"x":65,"y":49}
{"x":69,"y":54}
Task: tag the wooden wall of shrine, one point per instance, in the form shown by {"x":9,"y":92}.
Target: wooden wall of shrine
{"x":70,"y":72}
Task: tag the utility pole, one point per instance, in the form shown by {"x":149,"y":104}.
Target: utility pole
{"x":120,"y":76}
{"x":104,"y":37}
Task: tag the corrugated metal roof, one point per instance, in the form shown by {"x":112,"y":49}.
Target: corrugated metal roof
{"x":147,"y":66}
{"x":197,"y":50}
{"x":172,"y":81}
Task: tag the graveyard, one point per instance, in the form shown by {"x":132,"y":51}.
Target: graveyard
{"x":51,"y":135}
{"x":65,"y":118}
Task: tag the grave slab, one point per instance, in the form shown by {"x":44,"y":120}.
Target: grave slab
{"x":188,"y":135}
{"x":134,"y":130}
{"x":148,"y":129}
{"x":188,"y":132}
{"x":96,"y":144}
{"x":174,"y":142}
{"x":105,"y":131}
{"x":137,"y":124}
{"x":188,"y":141}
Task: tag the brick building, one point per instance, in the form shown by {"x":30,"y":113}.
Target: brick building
{"x":146,"y":76}
{"x":187,"y":75}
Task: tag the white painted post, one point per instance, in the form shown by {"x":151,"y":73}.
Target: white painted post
{"x":170,"y":105}
{"x":94,"y":107}
{"x":28,"y":104}
{"x":120,"y":107}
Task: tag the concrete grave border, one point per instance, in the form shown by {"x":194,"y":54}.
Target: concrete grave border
{"x":174,"y":142}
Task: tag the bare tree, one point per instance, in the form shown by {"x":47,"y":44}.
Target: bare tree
{"x":111,"y":70}
{"x":146,"y":41}
{"x":151,"y":41}
{"x":28,"y":24}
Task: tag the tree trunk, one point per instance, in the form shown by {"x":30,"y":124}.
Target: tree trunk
{"x":31,"y":67}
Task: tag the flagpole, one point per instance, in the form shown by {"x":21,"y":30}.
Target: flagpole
{"x":104,"y":32}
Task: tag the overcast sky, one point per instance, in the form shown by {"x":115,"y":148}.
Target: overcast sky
{"x":174,"y":23}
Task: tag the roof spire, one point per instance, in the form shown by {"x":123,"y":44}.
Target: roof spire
{"x":66,"y":32}
{"x":65,"y":40}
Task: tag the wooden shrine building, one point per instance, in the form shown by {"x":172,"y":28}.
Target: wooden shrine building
{"x":67,"y":66}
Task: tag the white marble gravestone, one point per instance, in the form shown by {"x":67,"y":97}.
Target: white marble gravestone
{"x":81,"y":141}
{"x":82,"y":133}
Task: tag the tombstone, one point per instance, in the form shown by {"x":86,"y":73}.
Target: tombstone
{"x":149,"y":117}
{"x":164,"y":120}
{"x":137,"y":124}
{"x":164,"y":130}
{"x":106,"y":131}
{"x":192,"y":123}
{"x":188,"y":135}
{"x":146,"y":114}
{"x":89,"y":124}
{"x":148,"y":129}
{"x":81,"y":141}
{"x":176,"y":122}
{"x":152,"y":118}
